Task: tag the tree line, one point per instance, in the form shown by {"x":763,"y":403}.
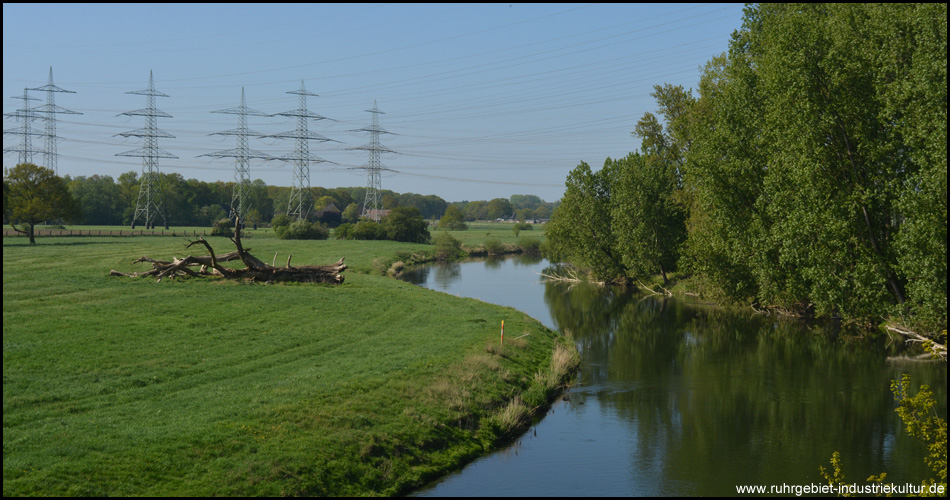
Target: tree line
{"x":808,"y":172}
{"x":103,"y":200}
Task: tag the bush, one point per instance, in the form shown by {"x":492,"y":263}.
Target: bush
{"x":530,"y":246}
{"x":343,"y":231}
{"x":303,"y":230}
{"x":223,"y":227}
{"x":494,"y":247}
{"x":447,"y":247}
{"x":367,"y":230}
{"x":280,"y":221}
{"x":406,"y":224}
{"x":453,"y":220}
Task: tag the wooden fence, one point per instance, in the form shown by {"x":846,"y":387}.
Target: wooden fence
{"x":107,"y":232}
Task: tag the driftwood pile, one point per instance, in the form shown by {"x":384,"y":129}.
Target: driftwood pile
{"x":210,"y":265}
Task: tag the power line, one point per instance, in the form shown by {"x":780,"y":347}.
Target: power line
{"x":149,"y":204}
{"x":51,"y":110}
{"x":240,"y":199}
{"x":300,"y":198}
{"x":371,"y":208}
{"x":27,"y":115}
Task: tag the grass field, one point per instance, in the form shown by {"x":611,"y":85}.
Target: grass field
{"x":124,"y":386}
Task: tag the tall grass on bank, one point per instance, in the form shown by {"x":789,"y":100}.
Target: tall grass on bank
{"x":122,"y":386}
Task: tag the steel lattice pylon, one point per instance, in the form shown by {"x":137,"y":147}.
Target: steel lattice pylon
{"x":375,"y":166}
{"x":51,"y":110}
{"x":27,"y":114}
{"x":300,"y":198}
{"x":149,"y":202}
{"x":240,"y":199}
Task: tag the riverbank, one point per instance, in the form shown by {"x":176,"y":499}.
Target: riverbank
{"x":118,"y":386}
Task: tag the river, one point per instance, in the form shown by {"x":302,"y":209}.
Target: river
{"x":678,"y":397}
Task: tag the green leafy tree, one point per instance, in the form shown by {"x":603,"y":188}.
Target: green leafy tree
{"x":37,"y":195}
{"x":223,"y":227}
{"x":913,"y":39}
{"x":261,"y":200}
{"x":128,"y":195}
{"x":322,"y":202}
{"x":814,"y":165}
{"x":648,"y":225}
{"x":280,"y":223}
{"x":6,"y":207}
{"x":580,"y":228}
{"x":351,"y":213}
{"x":498,"y":208}
{"x":447,"y":248}
{"x":98,"y":198}
{"x":367,"y":230}
{"x":453,"y":220}
{"x":302,"y":230}
{"x":406,"y":224}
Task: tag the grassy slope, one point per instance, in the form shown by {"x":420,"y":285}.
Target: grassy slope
{"x":121,"y":386}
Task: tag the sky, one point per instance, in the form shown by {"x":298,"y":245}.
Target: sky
{"x":482,"y":101}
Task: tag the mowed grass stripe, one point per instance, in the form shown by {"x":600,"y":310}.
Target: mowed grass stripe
{"x":120,"y":386}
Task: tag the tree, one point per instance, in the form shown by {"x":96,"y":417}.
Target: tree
{"x":453,"y":220}
{"x":98,"y":198}
{"x":351,"y":213}
{"x":499,"y":207}
{"x":128,"y":195}
{"x":389,"y":201}
{"x":6,"y":207}
{"x":649,"y":226}
{"x":36,"y":195}
{"x":815,"y":161}
{"x":406,"y":224}
{"x":580,"y":228}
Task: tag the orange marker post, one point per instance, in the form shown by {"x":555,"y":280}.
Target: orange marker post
{"x":502,"y":332}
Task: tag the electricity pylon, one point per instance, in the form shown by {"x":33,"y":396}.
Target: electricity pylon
{"x":300,"y":198}
{"x":27,"y":114}
{"x":51,"y":110}
{"x":375,"y":166}
{"x":240,"y":198}
{"x":149,"y":203}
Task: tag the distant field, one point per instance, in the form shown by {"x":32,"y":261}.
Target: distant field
{"x":123,"y":386}
{"x":478,"y":232}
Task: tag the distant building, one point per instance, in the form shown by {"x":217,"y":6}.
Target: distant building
{"x":376,"y":214}
{"x":330,"y":215}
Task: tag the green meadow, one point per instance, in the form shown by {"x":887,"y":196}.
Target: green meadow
{"x":128,"y":386}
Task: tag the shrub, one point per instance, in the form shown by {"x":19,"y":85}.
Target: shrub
{"x":303,"y":230}
{"x":406,"y":224}
{"x":447,"y":247}
{"x":343,"y":231}
{"x":280,"y":221}
{"x":222,"y":228}
{"x":367,"y":230}
{"x":530,"y":246}
{"x":453,"y":220}
{"x":494,"y":247}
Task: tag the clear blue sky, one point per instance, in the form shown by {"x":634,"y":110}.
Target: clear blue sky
{"x":487,"y":100}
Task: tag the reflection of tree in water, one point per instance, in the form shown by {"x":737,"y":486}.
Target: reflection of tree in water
{"x":526,"y":260}
{"x":447,"y":273}
{"x":726,"y":397}
{"x":495,"y":261}
{"x":416,"y":276}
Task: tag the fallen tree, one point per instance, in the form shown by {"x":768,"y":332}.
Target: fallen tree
{"x":256,"y":270}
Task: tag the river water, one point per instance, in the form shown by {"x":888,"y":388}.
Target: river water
{"x":682,"y":398}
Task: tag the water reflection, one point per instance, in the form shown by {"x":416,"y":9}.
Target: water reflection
{"x":691,"y":399}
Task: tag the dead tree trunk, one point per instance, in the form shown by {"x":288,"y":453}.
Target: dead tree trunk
{"x":256,"y":270}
